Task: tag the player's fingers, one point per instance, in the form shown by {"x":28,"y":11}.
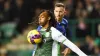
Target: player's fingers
{"x":62,"y":52}
{"x":65,"y":54}
{"x":69,"y":51}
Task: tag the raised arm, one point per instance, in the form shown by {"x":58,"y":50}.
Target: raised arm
{"x":58,"y":36}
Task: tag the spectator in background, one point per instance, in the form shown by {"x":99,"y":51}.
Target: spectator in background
{"x":95,"y":13}
{"x":1,"y":10}
{"x":16,"y":13}
{"x":97,"y":47}
{"x":16,"y":9}
{"x":3,"y":50}
{"x":99,"y":30}
{"x":89,"y":5}
{"x":82,"y":27}
{"x":88,"y":47}
{"x":21,"y":12}
{"x":77,"y":5}
{"x":6,"y":11}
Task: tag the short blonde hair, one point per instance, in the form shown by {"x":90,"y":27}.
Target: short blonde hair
{"x":59,"y":5}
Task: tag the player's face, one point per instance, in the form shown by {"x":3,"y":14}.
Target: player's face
{"x":59,"y":13}
{"x":43,"y":19}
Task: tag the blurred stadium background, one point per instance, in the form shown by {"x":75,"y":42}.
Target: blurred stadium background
{"x":83,"y":17}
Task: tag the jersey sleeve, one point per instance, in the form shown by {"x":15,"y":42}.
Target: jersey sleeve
{"x":58,"y":36}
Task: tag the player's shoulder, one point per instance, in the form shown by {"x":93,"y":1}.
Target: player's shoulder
{"x":53,"y":29}
{"x":39,"y":28}
{"x":65,"y":20}
{"x":55,"y":32}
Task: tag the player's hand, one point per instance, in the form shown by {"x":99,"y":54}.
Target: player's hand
{"x":66,"y":51}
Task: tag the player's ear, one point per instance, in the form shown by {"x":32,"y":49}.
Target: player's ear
{"x":49,"y":18}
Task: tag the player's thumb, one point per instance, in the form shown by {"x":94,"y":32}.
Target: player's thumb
{"x":62,"y":52}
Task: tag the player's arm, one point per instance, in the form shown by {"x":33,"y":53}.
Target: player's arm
{"x":58,"y":36}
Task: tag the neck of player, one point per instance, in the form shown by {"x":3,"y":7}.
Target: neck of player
{"x":60,"y":20}
{"x":46,"y":25}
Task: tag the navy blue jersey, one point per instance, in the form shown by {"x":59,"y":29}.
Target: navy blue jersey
{"x":62,"y":26}
{"x":39,"y":28}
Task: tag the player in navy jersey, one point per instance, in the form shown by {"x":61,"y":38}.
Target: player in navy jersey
{"x":62,"y":23}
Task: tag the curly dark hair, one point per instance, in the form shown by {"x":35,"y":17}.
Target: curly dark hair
{"x":52,"y":22}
